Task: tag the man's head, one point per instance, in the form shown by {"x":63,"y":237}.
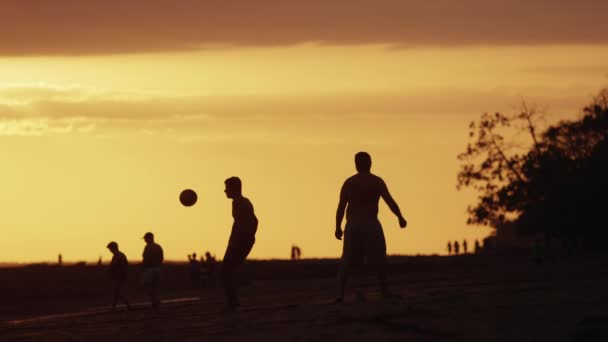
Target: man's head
{"x":233,"y":187}
{"x":149,"y":237}
{"x":113,"y":247}
{"x":363,"y":162}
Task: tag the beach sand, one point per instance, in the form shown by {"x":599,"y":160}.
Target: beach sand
{"x":470,"y":298}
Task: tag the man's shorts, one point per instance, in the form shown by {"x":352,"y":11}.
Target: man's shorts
{"x":236,"y":253}
{"x":363,"y":241}
{"x":150,"y":276}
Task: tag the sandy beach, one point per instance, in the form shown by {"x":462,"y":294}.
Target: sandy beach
{"x":468,"y":298}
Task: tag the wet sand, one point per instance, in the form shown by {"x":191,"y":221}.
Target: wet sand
{"x":442,"y":299}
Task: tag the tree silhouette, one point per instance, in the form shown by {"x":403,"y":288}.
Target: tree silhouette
{"x":556,"y":187}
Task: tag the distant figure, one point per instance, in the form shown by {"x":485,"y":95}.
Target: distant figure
{"x":464,"y":246}
{"x":363,"y":235}
{"x":209,"y":264}
{"x":60,"y":260}
{"x":477,"y":247}
{"x":152,"y":261}
{"x":99,"y":263}
{"x":456,"y":247}
{"x":118,"y":273}
{"x":241,"y":239}
{"x":296,"y":252}
{"x":195,"y":269}
{"x":449,"y":248}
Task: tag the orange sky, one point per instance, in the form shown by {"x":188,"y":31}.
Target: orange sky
{"x":102,"y":127}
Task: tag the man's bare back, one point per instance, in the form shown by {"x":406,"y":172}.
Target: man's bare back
{"x":362,"y":192}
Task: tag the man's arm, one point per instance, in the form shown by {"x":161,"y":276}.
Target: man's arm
{"x":386,"y":195}
{"x":340,"y":212}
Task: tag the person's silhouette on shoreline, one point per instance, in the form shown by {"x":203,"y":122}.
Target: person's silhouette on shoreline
{"x":449,"y":248}
{"x":153,"y":257}
{"x":118,"y":273}
{"x":464,"y":246}
{"x":477,"y":247}
{"x":456,"y":247}
{"x":363,"y":235}
{"x":242,"y":238}
{"x":195,"y":269}
{"x":209,"y":265}
{"x":296,"y":252}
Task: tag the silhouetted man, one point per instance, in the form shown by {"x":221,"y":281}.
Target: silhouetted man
{"x":152,"y":261}
{"x":118,"y":274}
{"x":241,"y":239}
{"x":464,"y":246}
{"x":449,"y":248}
{"x":209,"y":264}
{"x":477,"y":247}
{"x":456,"y":247}
{"x":195,"y":269}
{"x":363,"y":235}
{"x":293,"y":252}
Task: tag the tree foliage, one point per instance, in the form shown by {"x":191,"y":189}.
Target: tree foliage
{"x":557,"y":185}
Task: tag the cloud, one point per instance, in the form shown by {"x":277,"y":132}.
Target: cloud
{"x":36,"y":110}
{"x":66,"y":27}
{"x":44,"y":126}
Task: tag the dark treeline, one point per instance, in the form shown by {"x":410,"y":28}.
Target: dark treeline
{"x":556,"y":188}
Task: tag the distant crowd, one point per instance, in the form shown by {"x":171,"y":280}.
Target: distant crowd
{"x":453,"y":247}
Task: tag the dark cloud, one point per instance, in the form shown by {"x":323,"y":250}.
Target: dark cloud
{"x":67,"y":27}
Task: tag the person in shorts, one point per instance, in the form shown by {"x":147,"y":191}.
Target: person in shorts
{"x":363,"y":234}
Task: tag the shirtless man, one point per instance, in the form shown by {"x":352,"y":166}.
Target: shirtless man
{"x":241,"y":239}
{"x":363,"y":235}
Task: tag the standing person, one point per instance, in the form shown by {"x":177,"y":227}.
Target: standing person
{"x":242,"y":238}
{"x":195,"y":270}
{"x":209,"y":265}
{"x":449,"y":248}
{"x":118,"y":273}
{"x":456,"y":247}
{"x":152,"y":261}
{"x":464,"y":246}
{"x":363,"y":235}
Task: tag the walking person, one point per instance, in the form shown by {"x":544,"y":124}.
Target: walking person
{"x":118,"y":273}
{"x":152,"y":261}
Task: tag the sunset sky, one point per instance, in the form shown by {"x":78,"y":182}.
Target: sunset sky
{"x":108,"y":109}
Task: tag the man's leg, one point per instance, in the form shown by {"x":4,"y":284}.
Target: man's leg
{"x":154,"y":293}
{"x":236,"y":253}
{"x":342,"y":280}
{"x":377,"y":253}
{"x":116,"y":294}
{"x":351,"y":258}
{"x":229,"y":288}
{"x":121,"y":294}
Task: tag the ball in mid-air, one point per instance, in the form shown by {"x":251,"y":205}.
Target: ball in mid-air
{"x":188,"y":197}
